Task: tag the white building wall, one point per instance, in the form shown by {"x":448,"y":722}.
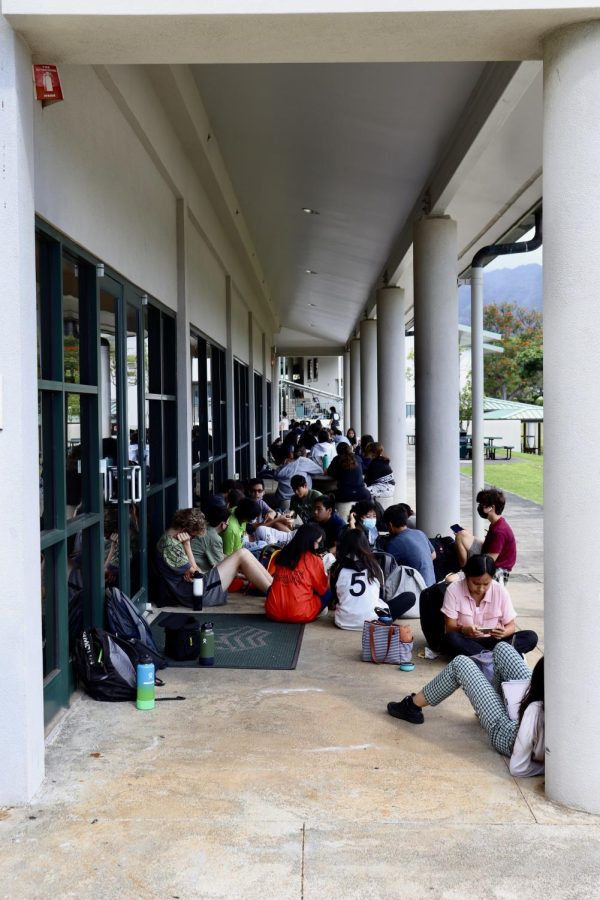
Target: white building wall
{"x":206,"y":288}
{"x":239,"y":328}
{"x":329,"y":375}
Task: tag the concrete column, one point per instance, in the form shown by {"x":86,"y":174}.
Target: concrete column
{"x":571,"y":421}
{"x":251,"y":398}
{"x":436,"y":374}
{"x":477,"y":420}
{"x":391,"y":377}
{"x":22,"y":705}
{"x":229,"y":383}
{"x":355,"y":419}
{"x":346,"y":412}
{"x":275,"y":411}
{"x":368,"y":377}
{"x":266,"y":362}
{"x":184,"y":367}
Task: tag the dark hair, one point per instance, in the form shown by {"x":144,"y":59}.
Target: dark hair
{"x":246,"y":510}
{"x":302,"y":542}
{"x":365,"y":440}
{"x":407,"y":509}
{"x":235,"y":496}
{"x":479,"y":564}
{"x":363,"y":507}
{"x":297,"y":481}
{"x":535,"y":691}
{"x":252,"y":482}
{"x":354,"y":548}
{"x":492,"y":497}
{"x":377,"y":450}
{"x":396,"y":516}
{"x":347,"y":457}
{"x":215,"y":515}
{"x":227,"y":485}
{"x":323,"y":436}
{"x":327,"y":500}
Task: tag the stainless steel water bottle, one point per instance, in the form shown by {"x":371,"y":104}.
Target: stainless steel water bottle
{"x":145,"y":684}
{"x":207,"y":645}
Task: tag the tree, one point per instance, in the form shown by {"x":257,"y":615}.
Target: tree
{"x":465,"y":413}
{"x":515,"y":374}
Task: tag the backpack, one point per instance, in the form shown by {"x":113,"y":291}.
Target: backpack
{"x":386,"y":562}
{"x":432,"y":618}
{"x":446,"y":559}
{"x":106,"y":665}
{"x":123,"y":620}
{"x":403,"y":580}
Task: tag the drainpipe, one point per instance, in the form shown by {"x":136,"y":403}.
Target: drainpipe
{"x":477,"y":421}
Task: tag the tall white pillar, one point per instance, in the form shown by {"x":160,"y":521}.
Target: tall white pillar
{"x":571,"y":420}
{"x":355,"y":421}
{"x":368,"y":377}
{"x":21,"y":707}
{"x":391,"y":377}
{"x":229,"y":381}
{"x":275,"y":389}
{"x":436,"y":374}
{"x":251,"y":397}
{"x":266,"y":361}
{"x":347,"y":369}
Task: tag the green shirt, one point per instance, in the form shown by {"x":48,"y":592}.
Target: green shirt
{"x":233,"y":534}
{"x":304,"y":506}
{"x":208,"y":549}
{"x":172,"y":552}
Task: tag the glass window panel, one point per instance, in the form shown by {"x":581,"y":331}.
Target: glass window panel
{"x":49,"y":611}
{"x":195,"y":386}
{"x":46,"y":457}
{"x":71,"y":320}
{"x":74,"y":482}
{"x":169,"y":355}
{"x":133,"y":452}
{"x":108,"y":377}
{"x":38,"y":304}
{"x":170,"y":438}
{"x":155,"y":440}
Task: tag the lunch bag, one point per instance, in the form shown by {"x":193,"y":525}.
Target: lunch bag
{"x":386,"y":643}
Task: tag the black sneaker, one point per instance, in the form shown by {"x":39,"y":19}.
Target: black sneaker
{"x":407,"y":710}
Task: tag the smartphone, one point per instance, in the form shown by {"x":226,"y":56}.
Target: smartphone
{"x":456,"y":528}
{"x":486,"y":630}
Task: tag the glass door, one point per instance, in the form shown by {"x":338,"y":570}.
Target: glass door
{"x":124,"y":449}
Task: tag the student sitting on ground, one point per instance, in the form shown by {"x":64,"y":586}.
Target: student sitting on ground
{"x":409,"y":546}
{"x":300,"y":584}
{"x":255,"y":489}
{"x":233,"y":535}
{"x":177,"y":566}
{"x":221,"y":498}
{"x":303,"y":501}
{"x":499,"y":541}
{"x":324,"y":451}
{"x":523,"y":740}
{"x":348,"y":474}
{"x":360,"y":448}
{"x":208,"y":547}
{"x":294,"y":464}
{"x":356,"y":581}
{"x":410,"y":513}
{"x":325,"y":516}
{"x":478,"y":613}
{"x":379,"y":477}
{"x":363,"y":515}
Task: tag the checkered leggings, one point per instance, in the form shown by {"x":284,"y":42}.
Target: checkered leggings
{"x":486,"y":699}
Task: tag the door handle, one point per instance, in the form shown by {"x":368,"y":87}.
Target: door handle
{"x":112,"y":485}
{"x":136,"y":484}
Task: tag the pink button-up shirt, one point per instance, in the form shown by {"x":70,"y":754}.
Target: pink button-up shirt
{"x":494,"y":609}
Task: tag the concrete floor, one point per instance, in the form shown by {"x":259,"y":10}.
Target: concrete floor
{"x":296,"y":785}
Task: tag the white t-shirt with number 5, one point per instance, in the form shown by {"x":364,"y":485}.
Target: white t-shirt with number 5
{"x":357,"y":599}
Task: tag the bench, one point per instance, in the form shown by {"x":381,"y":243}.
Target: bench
{"x":507,"y":451}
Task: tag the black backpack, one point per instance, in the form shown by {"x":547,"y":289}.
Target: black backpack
{"x":123,"y":620}
{"x":432,"y":617}
{"x":182,"y":637}
{"x":106,"y":665}
{"x":446,"y":558}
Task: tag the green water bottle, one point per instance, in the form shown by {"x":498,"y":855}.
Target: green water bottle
{"x":326,"y":462}
{"x":145,"y":684}
{"x":207,"y":645}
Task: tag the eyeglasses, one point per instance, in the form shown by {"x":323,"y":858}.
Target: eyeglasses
{"x":257,"y":491}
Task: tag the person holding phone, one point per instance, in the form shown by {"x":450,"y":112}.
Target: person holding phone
{"x":478,"y":613}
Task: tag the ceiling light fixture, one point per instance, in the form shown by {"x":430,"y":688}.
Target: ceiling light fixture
{"x":309,"y":211}
{"x":312,"y":304}
{"x":310,"y":271}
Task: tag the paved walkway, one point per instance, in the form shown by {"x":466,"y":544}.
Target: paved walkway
{"x":296,"y":785}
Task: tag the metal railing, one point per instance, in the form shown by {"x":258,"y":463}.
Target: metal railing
{"x":301,"y":401}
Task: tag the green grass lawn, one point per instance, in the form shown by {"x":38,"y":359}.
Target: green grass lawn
{"x":523,"y":475}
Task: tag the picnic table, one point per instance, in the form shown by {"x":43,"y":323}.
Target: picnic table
{"x":488,"y":446}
